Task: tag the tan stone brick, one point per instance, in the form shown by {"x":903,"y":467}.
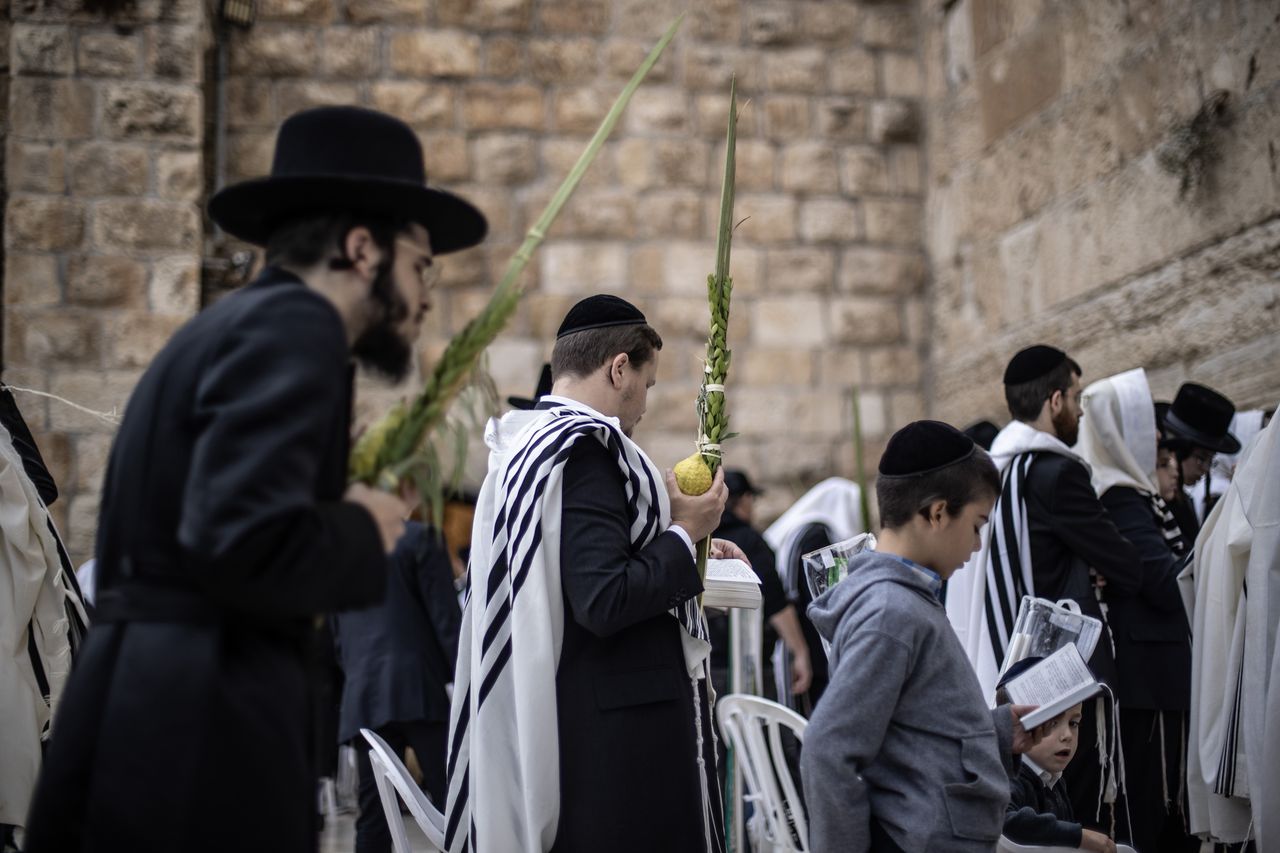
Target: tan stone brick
{"x":906,"y":173}
{"x":873,"y":416}
{"x":41,"y":49}
{"x":250,"y":155}
{"x":890,"y":25}
{"x":274,"y":51}
{"x":179,"y":175}
{"x":712,"y":115}
{"x":580,"y":110}
{"x":755,"y":165}
{"x":670,"y":213}
{"x":799,"y":269}
{"x":851,"y":72}
{"x":152,"y":111}
{"x":868,"y":269}
{"x":766,"y":219}
{"x":109,"y":54}
{"x":174,"y":53}
{"x":863,"y":170}
{"x":447,"y":155}
{"x":564,"y":61}
{"x":788,"y":411}
{"x":174,"y":288}
{"x":809,"y":167}
{"x":598,"y":213}
{"x":491,"y":106}
{"x":36,"y":168}
{"x":386,"y":11}
{"x":644,"y":163}
{"x":426,"y":105}
{"x":106,"y":281}
{"x":442,"y":53}
{"x":53,"y":109}
{"x":504,"y":158}
{"x":905,"y":407}
{"x":486,"y":14}
{"x":582,"y":267}
{"x":718,"y":21}
{"x":792,"y":321}
{"x":250,"y":103}
{"x":710,"y":68}
{"x":573,"y":16}
{"x":546,"y":312}
{"x":894,"y":121}
{"x":145,"y":225}
{"x":775,"y":365}
{"x":859,"y":320}
{"x":91,"y":454}
{"x":350,"y":52}
{"x":829,"y":221}
{"x":844,"y":119}
{"x":138,"y":336}
{"x":835,"y":24}
{"x":898,"y":365}
{"x":31,"y":280}
{"x":786,"y":117}
{"x":646,"y":19}
{"x":48,"y":223}
{"x":681,"y":265}
{"x":900,"y":75}
{"x":623,"y":56}
{"x":306,"y":94}
{"x":103,"y":391}
{"x":297,"y":11}
{"x":102,"y":168}
{"x":772,"y":24}
{"x":54,"y":335}
{"x":658,"y":111}
{"x":504,"y":56}
{"x":898,"y":221}
{"x":801,"y":69}
{"x":1019,"y":80}
{"x":560,"y":155}
{"x":681,"y":317}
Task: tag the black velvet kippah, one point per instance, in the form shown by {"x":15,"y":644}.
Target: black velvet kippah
{"x":923,"y":447}
{"x":598,"y":312}
{"x":1032,"y":363}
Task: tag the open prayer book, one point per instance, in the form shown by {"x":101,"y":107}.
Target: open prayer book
{"x":731,"y":583}
{"x":1054,"y":684}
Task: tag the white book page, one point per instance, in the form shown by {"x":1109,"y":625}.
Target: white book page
{"x":730,"y":571}
{"x":1054,"y":684}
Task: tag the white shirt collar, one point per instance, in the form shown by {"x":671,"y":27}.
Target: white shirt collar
{"x":1049,"y":779}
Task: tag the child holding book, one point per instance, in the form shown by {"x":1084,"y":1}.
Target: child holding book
{"x":1039,"y":810}
{"x":903,"y":752}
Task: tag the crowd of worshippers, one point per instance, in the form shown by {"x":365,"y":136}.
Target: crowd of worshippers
{"x":544,"y":655}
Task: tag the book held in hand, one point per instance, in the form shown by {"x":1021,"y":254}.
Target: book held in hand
{"x":1054,"y":685}
{"x":731,"y":583}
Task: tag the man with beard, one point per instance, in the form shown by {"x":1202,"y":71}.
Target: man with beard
{"x":1049,"y":537}
{"x":226,"y":522}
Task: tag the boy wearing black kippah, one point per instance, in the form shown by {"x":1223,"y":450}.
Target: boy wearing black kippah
{"x":903,"y":752}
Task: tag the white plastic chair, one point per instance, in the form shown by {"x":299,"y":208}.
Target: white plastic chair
{"x":753,"y":727}
{"x":1007,"y":846}
{"x":393,"y":777}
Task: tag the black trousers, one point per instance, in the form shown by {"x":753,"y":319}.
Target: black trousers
{"x":1158,"y":824}
{"x":430,"y":743}
{"x":1083,"y":773}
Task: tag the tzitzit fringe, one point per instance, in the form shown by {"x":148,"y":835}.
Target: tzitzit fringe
{"x":110,"y":417}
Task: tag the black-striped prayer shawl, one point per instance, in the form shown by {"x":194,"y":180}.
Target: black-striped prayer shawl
{"x":503,"y":770}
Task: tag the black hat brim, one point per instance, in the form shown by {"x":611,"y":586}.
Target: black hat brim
{"x":1179,"y":429}
{"x":253,"y":209}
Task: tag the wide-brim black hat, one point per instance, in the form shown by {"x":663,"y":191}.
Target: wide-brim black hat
{"x":346,"y":160}
{"x":1202,"y":417}
{"x":738,"y":483}
{"x":543,"y":389}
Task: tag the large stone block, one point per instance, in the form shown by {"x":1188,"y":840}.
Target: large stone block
{"x":175,"y":53}
{"x":514,"y":15}
{"x":860,"y":320}
{"x":599,"y":213}
{"x":491,"y":106}
{"x":104,"y":168}
{"x":645,"y":163}
{"x":582,"y":267}
{"x":43,"y":223}
{"x":573,"y":16}
{"x":709,"y":68}
{"x":180,"y":175}
{"x":1019,"y":80}
{"x":504,"y":159}
{"x":717,"y":21}
{"x":174,"y":288}
{"x":99,"y":390}
{"x":251,"y":103}
{"x":901,"y":75}
{"x":851,"y":72}
{"x":109,"y":54}
{"x":906,"y":171}
{"x":799,"y":269}
{"x":623,"y":56}
{"x":801,"y":69}
{"x":31,"y":280}
{"x":36,"y":168}
{"x":892,"y":366}
{"x":870,"y":269}
{"x":833,"y":24}
{"x":41,"y":49}
{"x":54,"y":336}
{"x":754,"y":161}
{"x":319,"y":12}
{"x":106,"y":281}
{"x":670,"y":213}
{"x":809,"y":167}
{"x":545,"y":312}
{"x":351,"y":52}
{"x":274,"y":51}
{"x":863,"y":170}
{"x":826,"y":220}
{"x":139,"y":335}
{"x":439,"y":53}
{"x":788,"y":411}
{"x":772,"y":24}
{"x":766,"y":219}
{"x":786,"y":117}
{"x":420,"y":104}
{"x":307,"y":94}
{"x":897,"y":221}
{"x":844,"y":119}
{"x":387,"y":11}
{"x":146,"y":225}
{"x":890,"y":25}
{"x":564,"y":61}
{"x":792,"y":321}
{"x":152,"y":111}
{"x":52,"y":109}
{"x":505,"y":56}
{"x":560,"y":155}
{"x":655,"y":111}
{"x":783,"y":366}
{"x":894,"y":121}
{"x":580,"y":110}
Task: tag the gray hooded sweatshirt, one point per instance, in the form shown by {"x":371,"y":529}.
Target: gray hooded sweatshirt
{"x":903,"y":736}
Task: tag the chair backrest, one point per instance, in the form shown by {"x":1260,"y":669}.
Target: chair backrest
{"x":1007,"y":846}
{"x":393,"y":778}
{"x":753,"y":727}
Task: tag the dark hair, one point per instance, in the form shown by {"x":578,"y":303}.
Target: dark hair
{"x":306,"y":241}
{"x":1026,"y":399}
{"x":583,"y":353}
{"x":902,"y":498}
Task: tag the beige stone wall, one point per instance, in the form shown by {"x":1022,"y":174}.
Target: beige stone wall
{"x":1050,"y":214}
{"x":505,"y":94}
{"x":102,"y":221}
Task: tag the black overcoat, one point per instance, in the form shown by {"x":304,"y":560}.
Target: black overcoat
{"x":186,"y":723}
{"x":629,"y":777}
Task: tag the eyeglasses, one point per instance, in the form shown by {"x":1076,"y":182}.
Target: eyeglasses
{"x":429,"y":274}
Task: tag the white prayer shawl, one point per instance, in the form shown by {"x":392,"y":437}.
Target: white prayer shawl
{"x":1244,"y":426}
{"x":835,"y":503}
{"x":1118,"y":433}
{"x":32,"y":598}
{"x":984,"y":596}
{"x":1239,"y":549}
{"x":504,"y":786}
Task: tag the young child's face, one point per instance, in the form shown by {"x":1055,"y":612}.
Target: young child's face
{"x":1055,"y":751}
{"x":958,"y":536}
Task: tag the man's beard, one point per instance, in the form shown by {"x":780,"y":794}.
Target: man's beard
{"x":1067,"y":427}
{"x":380,"y":347}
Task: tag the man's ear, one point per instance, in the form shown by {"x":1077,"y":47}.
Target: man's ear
{"x":617,"y":365}
{"x":363,"y":252}
{"x":937,"y":513}
{"x":1056,"y":401}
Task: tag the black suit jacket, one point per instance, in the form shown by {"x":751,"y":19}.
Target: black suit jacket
{"x":222,"y":534}
{"x":628,"y":752}
{"x":1153,"y":638}
{"x":1039,"y":815}
{"x":399,"y":655}
{"x":1071,"y":532}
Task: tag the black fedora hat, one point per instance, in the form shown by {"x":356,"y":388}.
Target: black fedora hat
{"x":1202,"y":417}
{"x":346,"y":159}
{"x":543,"y":389}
